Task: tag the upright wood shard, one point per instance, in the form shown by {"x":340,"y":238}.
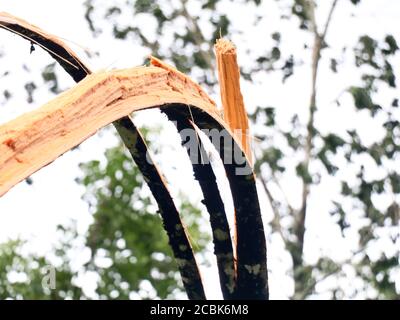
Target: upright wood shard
{"x":232,"y":100}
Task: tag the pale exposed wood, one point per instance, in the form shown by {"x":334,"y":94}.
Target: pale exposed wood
{"x":108,"y":96}
{"x":37,"y":138}
{"x":136,"y":145}
{"x":232,"y":100}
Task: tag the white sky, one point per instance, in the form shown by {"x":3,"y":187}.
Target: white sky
{"x":33,"y":211}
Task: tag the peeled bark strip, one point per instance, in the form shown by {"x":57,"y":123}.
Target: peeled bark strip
{"x":172,"y":223}
{"x":54,"y":46}
{"x":204,"y":174}
{"x":232,"y":100}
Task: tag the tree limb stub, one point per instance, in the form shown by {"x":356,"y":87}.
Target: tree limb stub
{"x":232,"y":100}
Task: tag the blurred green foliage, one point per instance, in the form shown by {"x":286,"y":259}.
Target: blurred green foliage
{"x":129,"y":249}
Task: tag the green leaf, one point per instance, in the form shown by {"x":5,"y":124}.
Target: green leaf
{"x":49,"y":76}
{"x":276,"y":36}
{"x":303,"y":173}
{"x":392,"y":45}
{"x":333,"y":65}
{"x":340,"y":216}
{"x":365,"y":51}
{"x":362,"y":99}
{"x":271,"y":156}
{"x":395,"y":182}
{"x":333,"y":142}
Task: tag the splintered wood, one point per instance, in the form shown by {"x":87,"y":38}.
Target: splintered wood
{"x":232,"y":100}
{"x":36,"y":138}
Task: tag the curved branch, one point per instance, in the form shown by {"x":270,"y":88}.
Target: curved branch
{"x":34,"y":139}
{"x":173,"y":225}
{"x":135,"y":143}
{"x":251,"y":266}
{"x":55,"y":47}
{"x":204,"y":174}
{"x":38,"y":137}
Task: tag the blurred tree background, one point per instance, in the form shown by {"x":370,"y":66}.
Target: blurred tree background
{"x":129,"y":250}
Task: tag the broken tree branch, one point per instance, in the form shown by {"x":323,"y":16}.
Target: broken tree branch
{"x":37,"y":138}
{"x":173,"y":225}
